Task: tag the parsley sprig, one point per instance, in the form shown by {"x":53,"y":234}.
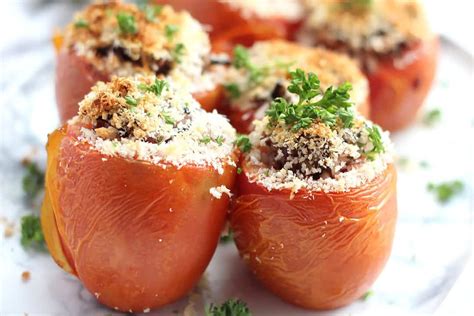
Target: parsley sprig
{"x":242,"y":61}
{"x":243,"y":142}
{"x":231,"y":307}
{"x":31,"y":232}
{"x":157,"y":87}
{"x":334,"y":105}
{"x":33,"y":180}
{"x":445,"y":191}
{"x":127,"y":23}
{"x":376,"y":139}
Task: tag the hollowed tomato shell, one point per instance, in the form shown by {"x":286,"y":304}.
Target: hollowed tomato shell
{"x":228,"y":26}
{"x":397,"y":91}
{"x":137,"y":235}
{"x":75,"y":77}
{"x":318,"y":250}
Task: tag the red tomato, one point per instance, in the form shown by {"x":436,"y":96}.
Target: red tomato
{"x":75,"y":76}
{"x":136,"y":234}
{"x":229,"y":27}
{"x":397,"y":93}
{"x":318,"y":251}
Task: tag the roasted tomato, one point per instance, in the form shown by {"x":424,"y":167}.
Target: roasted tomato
{"x":248,"y":96}
{"x":88,"y":52}
{"x":393,"y":44}
{"x":317,"y":250}
{"x":243,"y":22}
{"x":315,"y":212}
{"x":405,"y":82}
{"x":137,"y":234}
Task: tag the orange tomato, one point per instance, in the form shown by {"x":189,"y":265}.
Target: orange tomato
{"x":316,"y":250}
{"x":137,"y":235}
{"x":397,"y":92}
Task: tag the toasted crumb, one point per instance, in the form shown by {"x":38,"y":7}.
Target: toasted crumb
{"x":9,"y":230}
{"x":218,"y":191}
{"x":25,"y":276}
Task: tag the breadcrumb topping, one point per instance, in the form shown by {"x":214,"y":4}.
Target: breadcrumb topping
{"x":122,"y":39}
{"x":218,"y":191}
{"x":385,"y":27}
{"x":147,"y":119}
{"x":288,"y":9}
{"x":277,"y":58}
{"x":317,"y":158}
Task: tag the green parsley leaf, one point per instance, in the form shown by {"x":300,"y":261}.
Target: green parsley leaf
{"x":33,"y":180}
{"x":242,"y":61}
{"x":131,"y":101}
{"x":432,"y":117}
{"x":239,"y":170}
{"x":445,"y":191}
{"x":157,"y":87}
{"x":367,"y":295}
{"x":376,"y":139}
{"x":205,"y":140}
{"x":227,"y":237}
{"x":170,"y":31}
{"x":178,"y":52}
{"x":231,"y":307}
{"x":219,"y":140}
{"x":333,"y":107}
{"x":233,"y":90}
{"x":81,"y":23}
{"x":243,"y":142}
{"x":150,"y":10}
{"x":127,"y":23}
{"x":168,"y":119}
{"x":31,"y":233}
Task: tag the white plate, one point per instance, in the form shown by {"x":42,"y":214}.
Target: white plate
{"x":431,"y":243}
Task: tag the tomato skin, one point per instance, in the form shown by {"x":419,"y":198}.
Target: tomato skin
{"x":302,"y":251}
{"x":229,"y":27}
{"x":397,"y":94}
{"x":138,"y":234}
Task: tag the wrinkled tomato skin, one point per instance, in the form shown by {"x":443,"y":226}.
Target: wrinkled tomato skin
{"x":75,"y":78}
{"x":137,"y":234}
{"x":229,"y":27}
{"x":396,"y":94}
{"x":319,"y":251}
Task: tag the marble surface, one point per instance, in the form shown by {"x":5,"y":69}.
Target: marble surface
{"x":432,"y":244}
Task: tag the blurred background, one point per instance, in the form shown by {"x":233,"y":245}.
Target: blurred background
{"x":28,"y":114}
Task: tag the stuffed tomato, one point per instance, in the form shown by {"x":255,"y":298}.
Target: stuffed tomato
{"x":315,"y":213}
{"x":137,"y":191}
{"x":243,"y":22}
{"x":393,"y":44}
{"x":113,"y":38}
{"x":261,"y":74}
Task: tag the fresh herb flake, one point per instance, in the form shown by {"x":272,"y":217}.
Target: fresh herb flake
{"x":81,"y":24}
{"x":239,"y":170}
{"x":227,"y":237}
{"x":131,"y":101}
{"x":219,"y":140}
{"x":231,"y":307}
{"x":127,"y":23}
{"x":367,"y":295}
{"x":157,"y":87}
{"x":432,"y":117}
{"x":170,"y":31}
{"x":151,"y":11}
{"x":33,"y":180}
{"x":233,"y":90}
{"x":243,"y":142}
{"x":241,"y":60}
{"x":168,"y":119}
{"x":178,"y":52}
{"x":446,"y":191}
{"x":377,"y":144}
{"x":205,"y":140}
{"x":31,"y":233}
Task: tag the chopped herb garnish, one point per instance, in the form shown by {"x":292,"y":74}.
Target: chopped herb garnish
{"x":205,"y":140}
{"x":31,"y":233}
{"x":81,"y":23}
{"x":231,"y":307}
{"x":432,"y":117}
{"x":157,"y":87}
{"x":445,"y":191}
{"x":243,"y":142}
{"x":219,"y":140}
{"x":233,"y":90}
{"x":170,"y":31}
{"x":367,"y":295}
{"x":376,"y":140}
{"x":127,"y":23}
{"x":333,"y":107}
{"x":168,"y":119}
{"x":242,"y":61}
{"x":227,"y":237}
{"x":131,"y":101}
{"x":239,"y":170}
{"x":151,"y":11}
{"x":33,"y":180}
{"x":178,"y":52}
